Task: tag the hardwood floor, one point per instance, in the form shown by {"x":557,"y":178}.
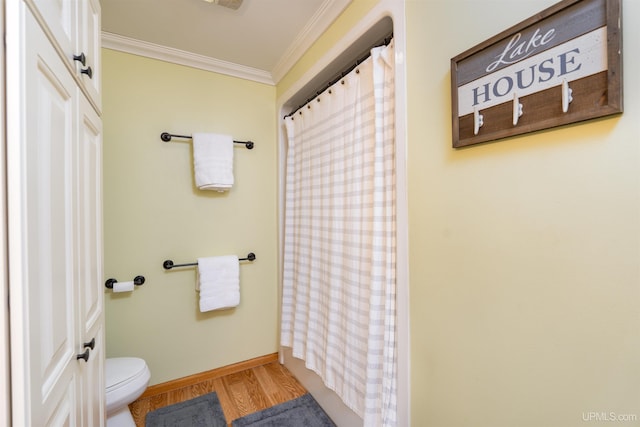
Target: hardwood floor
{"x":240,"y":393}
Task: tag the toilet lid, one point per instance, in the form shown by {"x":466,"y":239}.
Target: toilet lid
{"x":122,"y":369}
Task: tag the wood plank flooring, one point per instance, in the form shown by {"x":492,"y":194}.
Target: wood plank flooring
{"x":240,"y":393}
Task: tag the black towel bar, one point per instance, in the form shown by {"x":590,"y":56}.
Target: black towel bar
{"x":168,"y":264}
{"x":166,"y":137}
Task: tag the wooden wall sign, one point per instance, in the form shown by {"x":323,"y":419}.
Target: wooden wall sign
{"x":561,"y":66}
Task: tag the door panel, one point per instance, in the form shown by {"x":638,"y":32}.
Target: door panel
{"x":89,"y":261}
{"x":89,"y":30}
{"x":92,"y":388}
{"x":60,"y":17}
{"x":89,"y":181}
{"x":50,"y":102}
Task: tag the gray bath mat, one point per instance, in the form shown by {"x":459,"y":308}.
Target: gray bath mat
{"x":202,"y":411}
{"x":303,"y":411}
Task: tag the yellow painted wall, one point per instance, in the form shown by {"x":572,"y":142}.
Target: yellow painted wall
{"x":351,"y":15}
{"x":153,"y":212}
{"x":524,"y":253}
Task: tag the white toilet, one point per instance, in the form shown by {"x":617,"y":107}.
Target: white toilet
{"x":126,"y":379}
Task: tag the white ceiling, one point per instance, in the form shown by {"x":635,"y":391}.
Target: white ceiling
{"x":261,"y":40}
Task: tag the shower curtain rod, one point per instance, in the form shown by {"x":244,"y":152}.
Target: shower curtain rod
{"x":384,"y":42}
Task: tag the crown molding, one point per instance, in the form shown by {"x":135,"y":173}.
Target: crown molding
{"x":181,"y":57}
{"x":321,"y":20}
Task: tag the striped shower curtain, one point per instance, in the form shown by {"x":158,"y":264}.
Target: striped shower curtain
{"x":339,"y":282}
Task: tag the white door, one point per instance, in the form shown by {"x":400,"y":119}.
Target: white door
{"x":88,"y":257}
{"x":41,"y":237}
{"x":88,"y":43}
{"x":54,"y":230}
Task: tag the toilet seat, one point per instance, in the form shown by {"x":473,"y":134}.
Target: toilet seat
{"x":122,"y":371}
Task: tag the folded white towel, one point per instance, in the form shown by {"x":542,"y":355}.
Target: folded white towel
{"x":213,"y":161}
{"x":218,"y":282}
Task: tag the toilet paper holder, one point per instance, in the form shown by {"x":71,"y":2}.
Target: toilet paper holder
{"x":138,"y":280}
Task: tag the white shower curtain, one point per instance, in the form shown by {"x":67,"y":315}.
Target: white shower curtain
{"x":339,"y":284}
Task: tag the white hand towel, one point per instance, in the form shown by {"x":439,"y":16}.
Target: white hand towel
{"x":218,"y":282}
{"x":213,"y":161}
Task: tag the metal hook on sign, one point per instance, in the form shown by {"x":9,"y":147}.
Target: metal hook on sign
{"x":567,"y":96}
{"x":478,"y":120}
{"x":517,"y":109}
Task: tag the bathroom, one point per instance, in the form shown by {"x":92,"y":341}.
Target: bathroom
{"x":513,"y":282}
{"x":522,"y":255}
